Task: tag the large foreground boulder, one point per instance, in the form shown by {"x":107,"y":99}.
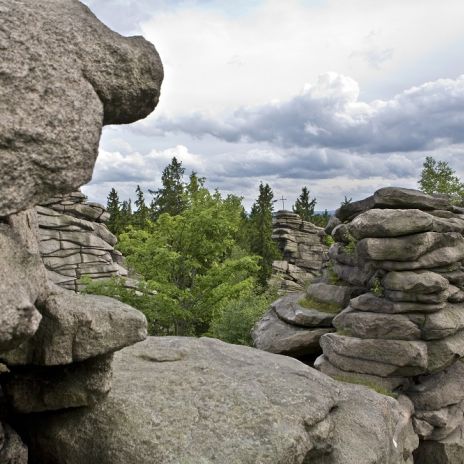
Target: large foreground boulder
{"x":192,"y":401}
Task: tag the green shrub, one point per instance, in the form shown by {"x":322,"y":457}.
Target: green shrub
{"x":233,"y":324}
{"x":328,"y":240}
{"x":350,"y":247}
{"x":377,"y":288}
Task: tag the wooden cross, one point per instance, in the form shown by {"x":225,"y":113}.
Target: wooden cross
{"x":283,"y":202}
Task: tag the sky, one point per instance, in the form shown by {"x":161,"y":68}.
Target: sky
{"x":341,"y":96}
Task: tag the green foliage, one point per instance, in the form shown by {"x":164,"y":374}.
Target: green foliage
{"x":377,"y":288}
{"x":367,"y":383}
{"x":346,"y":201}
{"x":113,"y":206}
{"x":312,"y":303}
{"x":439,"y":177}
{"x":260,"y":232}
{"x":321,"y":220}
{"x":304,"y":205}
{"x":170,"y":198}
{"x":233,"y":323}
{"x":142,"y":214}
{"x":332,"y":275}
{"x":328,"y":240}
{"x":160,"y":321}
{"x":350,"y":247}
{"x":192,"y":260}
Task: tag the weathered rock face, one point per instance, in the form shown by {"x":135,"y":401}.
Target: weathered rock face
{"x":292,"y":329}
{"x":75,"y":242}
{"x":303,"y":251}
{"x":405,"y":331}
{"x":280,"y":411}
{"x":63,"y":75}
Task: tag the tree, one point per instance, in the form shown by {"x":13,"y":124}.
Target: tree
{"x":125,"y":214}
{"x":439,"y":177}
{"x":304,"y":205}
{"x":260,"y":230}
{"x":113,"y":206}
{"x":192,"y":262}
{"x":170,"y":197}
{"x":142,"y":214}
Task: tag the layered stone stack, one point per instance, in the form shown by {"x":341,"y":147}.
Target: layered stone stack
{"x":75,"y":242}
{"x":63,"y":76}
{"x":406,"y":331}
{"x":303,"y":250}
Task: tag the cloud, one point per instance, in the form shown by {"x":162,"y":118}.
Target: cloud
{"x":329,"y":114}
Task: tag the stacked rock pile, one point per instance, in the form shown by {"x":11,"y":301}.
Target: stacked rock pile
{"x":295,"y":322}
{"x":75,"y":242}
{"x":303,"y":250}
{"x":406,"y":331}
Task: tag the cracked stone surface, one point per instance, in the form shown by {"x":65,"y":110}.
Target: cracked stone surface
{"x":63,"y":75}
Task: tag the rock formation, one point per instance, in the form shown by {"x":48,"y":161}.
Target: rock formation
{"x":75,"y":242}
{"x":401,"y":252}
{"x":303,"y":250}
{"x":63,"y":75}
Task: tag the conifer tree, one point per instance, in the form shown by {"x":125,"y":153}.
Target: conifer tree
{"x":304,"y":205}
{"x":126,"y":214}
{"x":113,"y":206}
{"x":170,"y":197}
{"x":142,"y":214}
{"x":260,"y":226}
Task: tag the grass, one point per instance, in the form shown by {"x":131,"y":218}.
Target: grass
{"x":345,"y":331}
{"x":311,"y":303}
{"x":367,"y":383}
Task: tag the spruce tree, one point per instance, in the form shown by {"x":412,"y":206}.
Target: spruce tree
{"x":170,"y":198}
{"x":304,"y":205}
{"x":126,"y":214}
{"x":142,"y":214}
{"x":113,"y":206}
{"x":260,"y":224}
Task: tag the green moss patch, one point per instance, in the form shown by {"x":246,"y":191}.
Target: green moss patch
{"x":367,"y":383}
{"x":311,"y":303}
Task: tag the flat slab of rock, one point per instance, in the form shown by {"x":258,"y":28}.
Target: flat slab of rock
{"x":363,"y":324}
{"x":389,"y":383}
{"x":411,"y":357}
{"x":402,"y":326}
{"x":184,"y":400}
{"x":276,"y":336}
{"x":390,"y":223}
{"x":396,"y":352}
{"x":334,"y":294}
{"x":397,"y":197}
{"x":415,"y":282}
{"x":290,"y":311}
{"x":370,"y":302}
{"x":41,"y":389}
{"x":410,"y":249}
{"x":76,"y":327}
